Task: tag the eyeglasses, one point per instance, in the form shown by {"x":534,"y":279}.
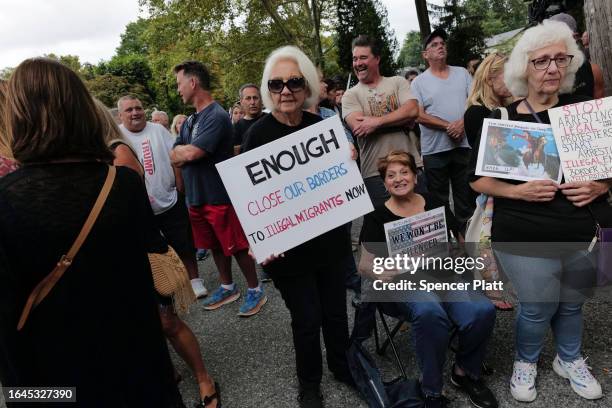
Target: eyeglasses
{"x":561,"y":61}
{"x":293,"y":84}
{"x":435,"y":44}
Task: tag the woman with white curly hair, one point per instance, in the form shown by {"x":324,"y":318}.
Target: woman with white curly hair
{"x":548,"y":280}
{"x":310,"y":277}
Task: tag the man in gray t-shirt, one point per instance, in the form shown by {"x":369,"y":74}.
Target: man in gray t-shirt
{"x":442,"y":91}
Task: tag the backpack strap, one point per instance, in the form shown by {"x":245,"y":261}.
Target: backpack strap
{"x":44,"y":287}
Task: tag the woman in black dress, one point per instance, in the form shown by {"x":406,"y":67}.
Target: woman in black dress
{"x":98,"y":329}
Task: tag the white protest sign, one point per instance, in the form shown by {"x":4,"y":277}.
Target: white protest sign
{"x":518,"y":150}
{"x":583,"y":132}
{"x":293,"y":189}
{"x":416,"y":234}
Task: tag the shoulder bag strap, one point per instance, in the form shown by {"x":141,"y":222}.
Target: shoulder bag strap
{"x":535,"y":115}
{"x":44,"y":287}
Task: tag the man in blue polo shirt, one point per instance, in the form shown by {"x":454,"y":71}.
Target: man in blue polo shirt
{"x":205,"y":140}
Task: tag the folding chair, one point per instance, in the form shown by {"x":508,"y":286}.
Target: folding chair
{"x":381,"y":348}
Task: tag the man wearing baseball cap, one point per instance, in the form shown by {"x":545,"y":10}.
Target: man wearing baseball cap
{"x":442,"y":91}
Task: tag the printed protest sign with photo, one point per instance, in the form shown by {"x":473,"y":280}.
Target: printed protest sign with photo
{"x":295,"y":188}
{"x":518,"y":151}
{"x":416,"y":235}
{"x":583,"y":132}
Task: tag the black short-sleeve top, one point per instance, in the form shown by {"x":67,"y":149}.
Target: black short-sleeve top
{"x":553,"y":221}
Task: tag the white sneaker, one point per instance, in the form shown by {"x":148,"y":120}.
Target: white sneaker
{"x":198,"y":288}
{"x":578,"y":373}
{"x":522,"y":384}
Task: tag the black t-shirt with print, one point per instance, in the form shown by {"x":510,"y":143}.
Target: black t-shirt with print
{"x":554,"y":221}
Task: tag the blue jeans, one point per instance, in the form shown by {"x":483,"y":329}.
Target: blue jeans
{"x":547,"y":299}
{"x":432,"y":321}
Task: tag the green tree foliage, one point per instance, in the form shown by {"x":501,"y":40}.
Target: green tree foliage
{"x":6,"y":73}
{"x":132,"y":40}
{"x":233,"y":38}
{"x":498,"y":16}
{"x":132,"y":69}
{"x":71,"y":61}
{"x":410,"y":54}
{"x":369,"y":17}
{"x":465,"y":34}
{"x":109,"y":88}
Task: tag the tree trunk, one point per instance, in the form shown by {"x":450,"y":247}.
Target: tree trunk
{"x":316,"y":28}
{"x":598,"y":16}
{"x":423,"y":16}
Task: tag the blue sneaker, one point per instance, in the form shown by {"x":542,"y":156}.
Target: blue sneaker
{"x":220,"y":297}
{"x":255,"y":299}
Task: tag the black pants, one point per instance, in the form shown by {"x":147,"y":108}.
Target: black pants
{"x":176,"y":227}
{"x":440,"y":168}
{"x":317,"y":299}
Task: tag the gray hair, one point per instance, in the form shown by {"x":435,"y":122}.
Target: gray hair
{"x":245,"y":86}
{"x":306,"y":67}
{"x":126,"y":98}
{"x":544,"y":34}
{"x":158,"y":112}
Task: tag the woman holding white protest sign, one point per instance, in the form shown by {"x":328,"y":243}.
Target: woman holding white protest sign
{"x":540,"y":70}
{"x":432,"y":315}
{"x":310,"y":277}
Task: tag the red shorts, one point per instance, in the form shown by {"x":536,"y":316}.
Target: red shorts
{"x":217,"y":227}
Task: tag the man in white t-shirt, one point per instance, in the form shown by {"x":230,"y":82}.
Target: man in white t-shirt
{"x":152,"y":144}
{"x":377,"y":110}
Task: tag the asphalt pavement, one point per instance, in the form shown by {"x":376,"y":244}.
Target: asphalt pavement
{"x":253,"y":360}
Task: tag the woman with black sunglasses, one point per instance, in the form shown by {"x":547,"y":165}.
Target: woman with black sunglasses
{"x":310,"y":276}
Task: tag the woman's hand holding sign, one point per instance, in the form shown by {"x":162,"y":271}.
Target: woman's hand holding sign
{"x":581,"y":193}
{"x":536,"y":190}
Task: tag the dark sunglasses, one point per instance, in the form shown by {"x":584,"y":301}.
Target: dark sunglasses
{"x":293,"y":84}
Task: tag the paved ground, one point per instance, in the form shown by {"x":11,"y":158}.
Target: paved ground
{"x":253,"y":360}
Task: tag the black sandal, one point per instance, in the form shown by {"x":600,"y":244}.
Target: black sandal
{"x":210,"y":398}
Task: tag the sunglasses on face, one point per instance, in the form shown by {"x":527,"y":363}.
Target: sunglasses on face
{"x":293,"y":84}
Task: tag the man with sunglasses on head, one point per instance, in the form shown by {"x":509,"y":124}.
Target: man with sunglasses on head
{"x":205,"y":140}
{"x":377,"y":110}
{"x":442,"y":91}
